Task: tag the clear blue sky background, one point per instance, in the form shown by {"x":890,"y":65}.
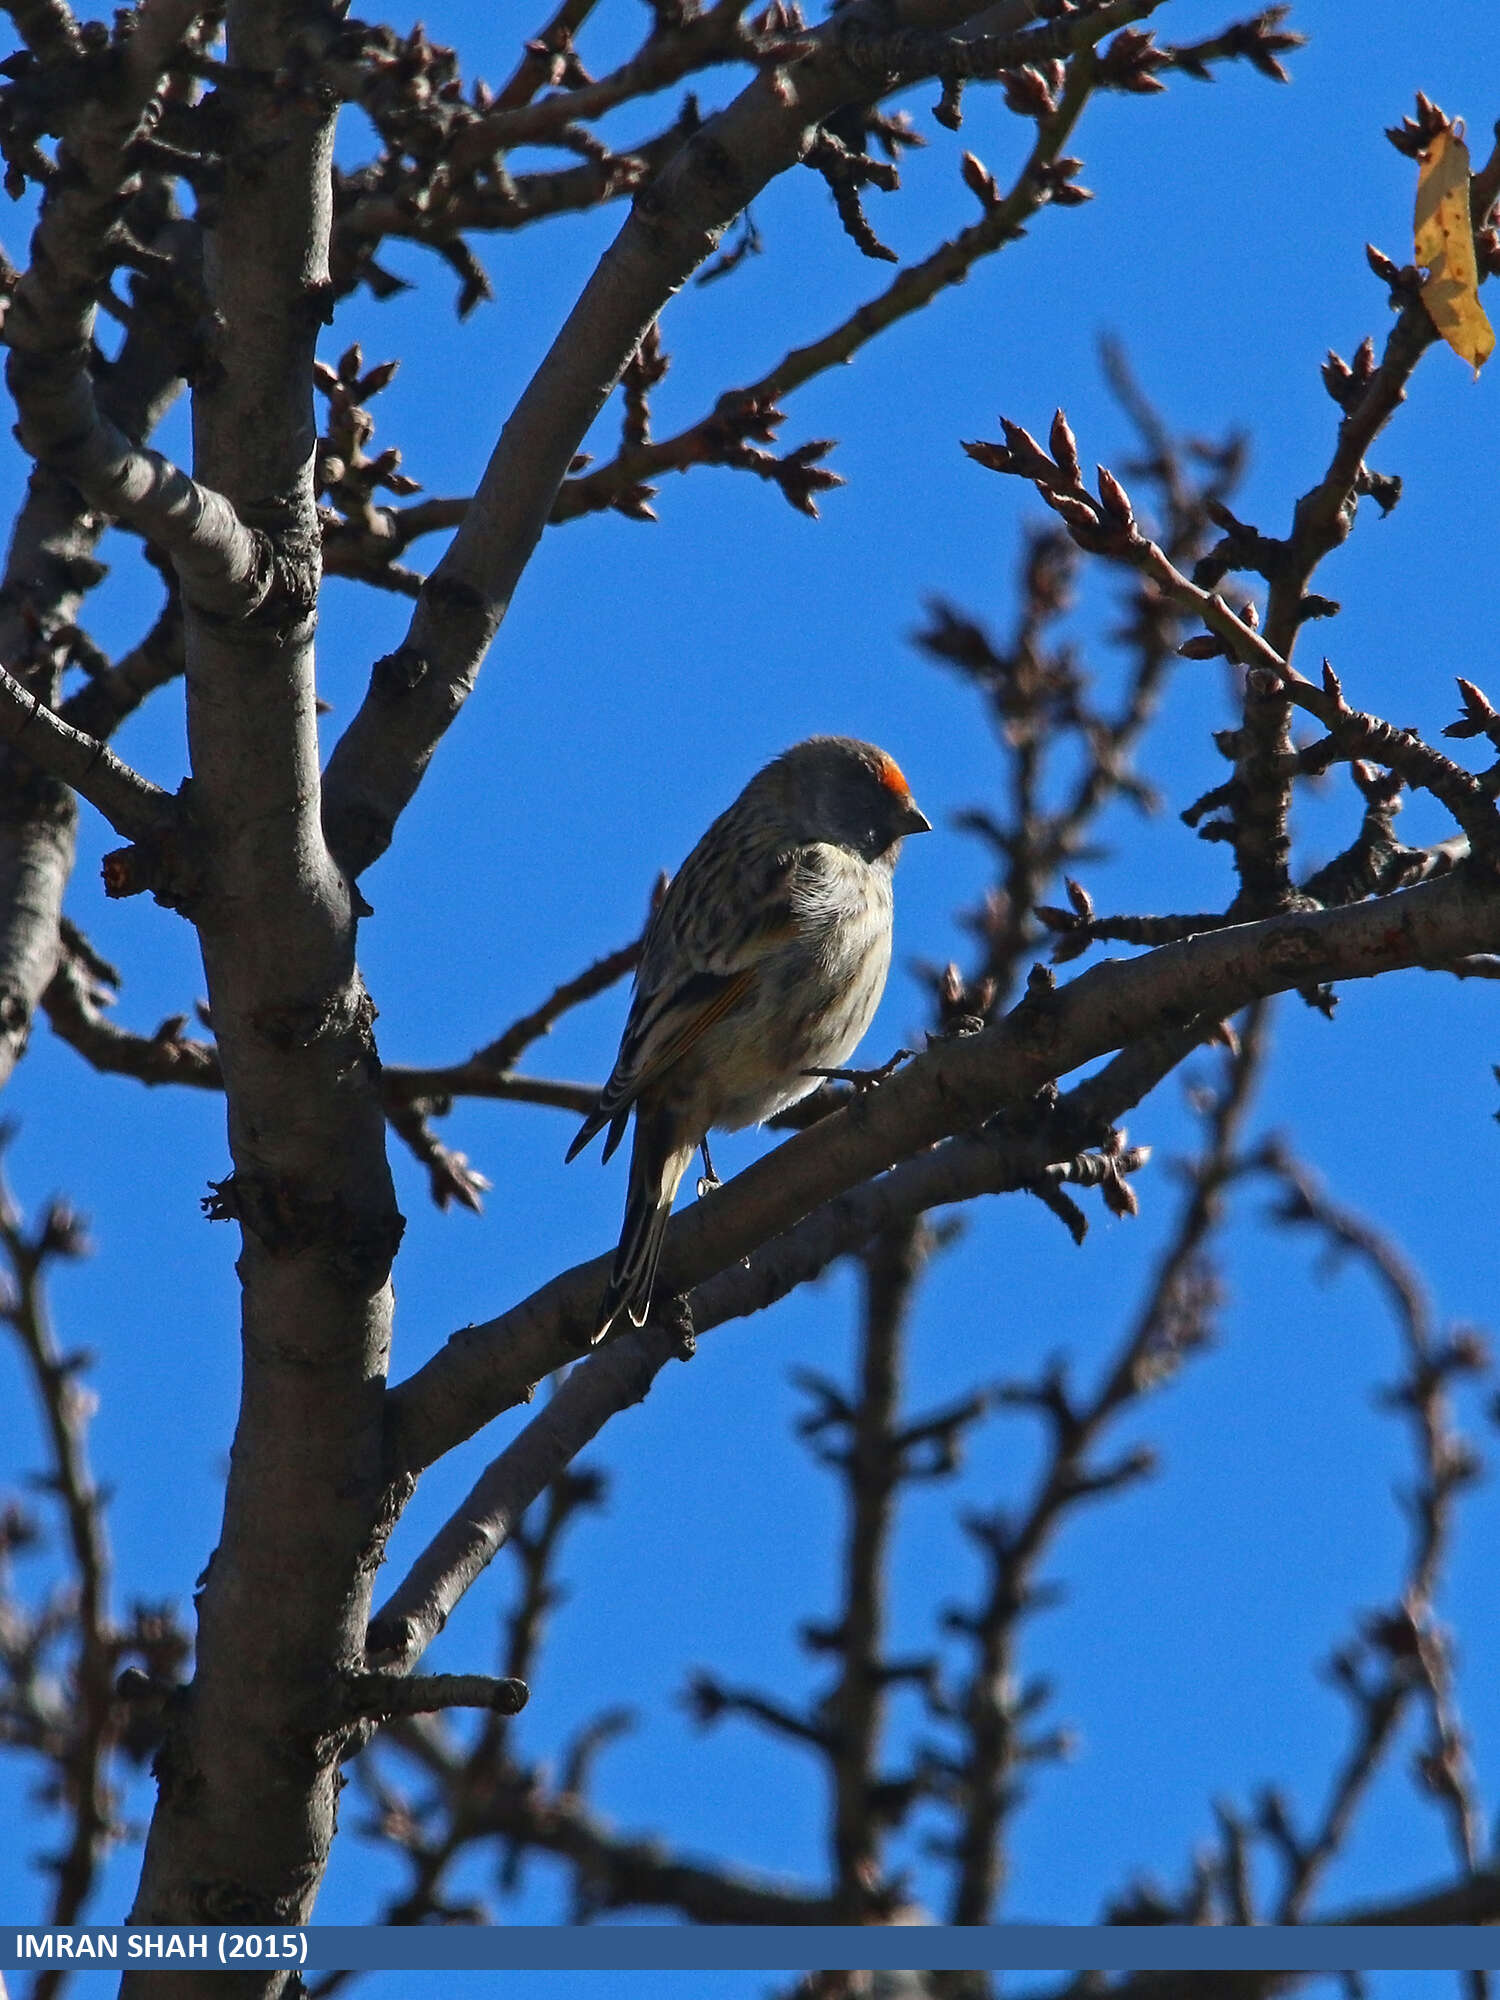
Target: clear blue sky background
{"x":643,"y":674}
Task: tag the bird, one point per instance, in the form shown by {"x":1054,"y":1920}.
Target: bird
{"x":761,"y":967}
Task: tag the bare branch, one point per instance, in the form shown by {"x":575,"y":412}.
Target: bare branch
{"x":622,"y":1872}
{"x":1262,"y":800}
{"x":65,"y":1409}
{"x":415,"y":693}
{"x":1106,"y":526}
{"x":602,"y":1386}
{"x":992,"y":1712}
{"x":412,"y":1095}
{"x":47,"y":26}
{"x":74,"y":1002}
{"x":488,"y":1368}
{"x":488,"y":1766}
{"x":99,"y":707}
{"x":620,"y":1375}
{"x":597,"y":978}
{"x":713,"y":439}
{"x":1401,"y":1654}
{"x":1325,"y":514}
{"x":538,"y":63}
{"x":50,"y":568}
{"x":451,"y":1177}
{"x":717,"y":35}
{"x":381,"y":1696}
{"x":226,"y":565}
{"x":854,"y":1707}
{"x":134,"y":806}
{"x":367,"y":210}
{"x":82,"y":989}
{"x":405,"y":1084}
{"x":1473,"y":1900}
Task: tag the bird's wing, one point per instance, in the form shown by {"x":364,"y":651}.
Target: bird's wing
{"x":728,"y":904}
{"x":671,"y":1027}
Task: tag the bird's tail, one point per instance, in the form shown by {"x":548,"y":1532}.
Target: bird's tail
{"x":658,"y":1161}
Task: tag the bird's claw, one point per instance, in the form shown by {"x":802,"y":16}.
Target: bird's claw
{"x":966,"y":1024}
{"x":864,"y":1079}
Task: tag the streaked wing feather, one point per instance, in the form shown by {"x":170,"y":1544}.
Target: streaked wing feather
{"x":726,"y":904}
{"x":671,"y":1031}
{"x":617,"y":1126}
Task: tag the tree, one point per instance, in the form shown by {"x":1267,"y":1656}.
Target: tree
{"x":203,"y":177}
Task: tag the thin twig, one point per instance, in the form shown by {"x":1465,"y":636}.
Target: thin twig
{"x":49,"y":323}
{"x":1401,"y":1655}
{"x":955,"y":1084}
{"x":1170,"y":1326}
{"x":65,"y":1409}
{"x":134,"y":807}
{"x":710,"y":439}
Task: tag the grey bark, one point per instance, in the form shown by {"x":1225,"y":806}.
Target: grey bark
{"x":490,"y":1367}
{"x":49,"y":568}
{"x":49,"y":329}
{"x":248,"y":1774}
{"x":249,"y":1771}
{"x":675,"y":224}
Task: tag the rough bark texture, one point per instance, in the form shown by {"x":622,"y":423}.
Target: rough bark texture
{"x":674,"y":227}
{"x":49,"y":568}
{"x":955,"y":1086}
{"x":265,"y":853}
{"x":249,"y":1770}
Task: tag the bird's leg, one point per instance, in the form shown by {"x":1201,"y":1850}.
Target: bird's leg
{"x":710,"y":1180}
{"x":865,"y":1079}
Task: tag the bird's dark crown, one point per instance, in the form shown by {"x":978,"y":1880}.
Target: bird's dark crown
{"x":846,"y":792}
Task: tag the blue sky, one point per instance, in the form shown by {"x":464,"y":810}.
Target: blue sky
{"x":643,"y":674}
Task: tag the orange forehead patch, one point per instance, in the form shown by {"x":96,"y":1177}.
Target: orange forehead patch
{"x":891,"y":776}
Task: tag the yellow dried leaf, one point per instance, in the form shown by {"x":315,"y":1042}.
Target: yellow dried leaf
{"x":1445,"y":244}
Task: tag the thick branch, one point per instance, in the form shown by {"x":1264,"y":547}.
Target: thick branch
{"x":675,"y":225}
{"x":717,"y":35}
{"x":134,"y":807}
{"x":48,"y":328}
{"x":911,"y":290}
{"x":485,"y":1369}
{"x":470,"y":1540}
{"x":960,"y":1170}
{"x":49,"y":569}
{"x":245,"y":1813}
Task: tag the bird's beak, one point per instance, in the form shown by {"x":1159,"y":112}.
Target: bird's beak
{"x":916,"y":821}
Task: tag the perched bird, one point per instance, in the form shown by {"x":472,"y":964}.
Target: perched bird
{"x":764,"y":962}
